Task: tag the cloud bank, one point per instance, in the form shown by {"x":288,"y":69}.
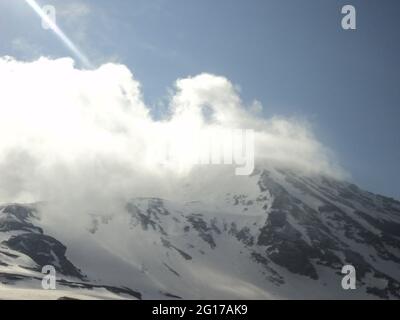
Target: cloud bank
{"x":84,"y":136}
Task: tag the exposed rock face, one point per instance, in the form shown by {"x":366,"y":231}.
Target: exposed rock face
{"x":288,"y":228}
{"x":16,"y":218}
{"x":44,"y":250}
{"x":28,"y":240}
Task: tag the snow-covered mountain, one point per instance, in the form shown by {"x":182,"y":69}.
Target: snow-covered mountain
{"x":275,"y":235}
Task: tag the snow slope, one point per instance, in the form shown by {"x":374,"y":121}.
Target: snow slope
{"x":277,"y":234}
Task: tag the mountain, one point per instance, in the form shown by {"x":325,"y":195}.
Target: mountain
{"x":276,"y":234}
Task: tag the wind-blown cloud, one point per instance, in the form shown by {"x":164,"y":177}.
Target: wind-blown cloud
{"x":86,"y":136}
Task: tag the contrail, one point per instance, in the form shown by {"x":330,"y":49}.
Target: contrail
{"x":67,"y":42}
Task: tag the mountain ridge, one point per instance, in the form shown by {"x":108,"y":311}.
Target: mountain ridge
{"x":281,"y":235}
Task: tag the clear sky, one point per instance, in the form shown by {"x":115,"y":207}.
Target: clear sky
{"x":291,"y":55}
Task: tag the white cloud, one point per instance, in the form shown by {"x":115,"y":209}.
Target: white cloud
{"x":86,"y":136}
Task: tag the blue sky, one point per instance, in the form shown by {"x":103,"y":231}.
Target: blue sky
{"x":292,"y":56}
